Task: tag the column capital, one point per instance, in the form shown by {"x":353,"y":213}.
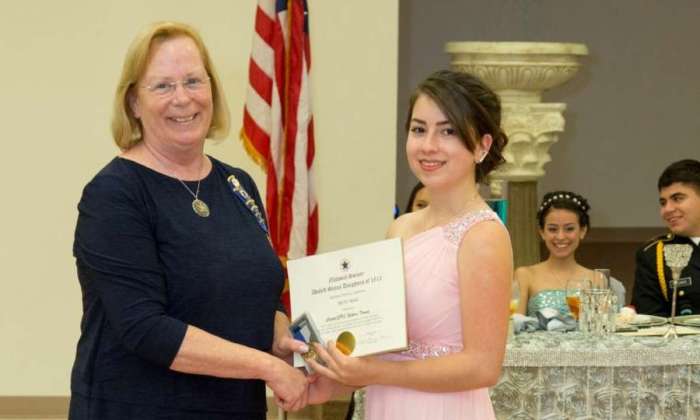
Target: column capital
{"x":519,"y":72}
{"x":531,"y":129}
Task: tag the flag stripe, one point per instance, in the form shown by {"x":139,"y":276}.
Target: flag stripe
{"x":278,"y":128}
{"x":260,"y":83}
{"x":294,"y":70}
{"x":264,"y":21}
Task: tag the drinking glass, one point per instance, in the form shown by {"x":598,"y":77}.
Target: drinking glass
{"x":574,"y":287}
{"x":514,"y":296}
{"x":601,"y":278}
{"x":600,"y":311}
{"x":514,"y":301}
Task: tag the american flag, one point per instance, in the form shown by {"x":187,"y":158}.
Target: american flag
{"x":278,"y":129}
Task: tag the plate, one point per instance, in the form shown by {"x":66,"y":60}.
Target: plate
{"x":648,"y":321}
{"x":688,"y":320}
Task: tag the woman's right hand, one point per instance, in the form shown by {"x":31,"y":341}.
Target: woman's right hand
{"x":290,"y":386}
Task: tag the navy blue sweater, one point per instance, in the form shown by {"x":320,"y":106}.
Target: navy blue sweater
{"x":148,"y":266}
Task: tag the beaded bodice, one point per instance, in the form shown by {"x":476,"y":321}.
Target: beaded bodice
{"x":548,"y":298}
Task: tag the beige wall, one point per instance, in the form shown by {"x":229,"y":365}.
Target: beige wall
{"x":60,"y":63}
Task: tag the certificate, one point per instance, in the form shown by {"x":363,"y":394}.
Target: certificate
{"x":355,"y":296}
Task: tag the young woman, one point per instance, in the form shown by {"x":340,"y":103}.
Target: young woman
{"x":563,"y":221}
{"x":458,"y":263}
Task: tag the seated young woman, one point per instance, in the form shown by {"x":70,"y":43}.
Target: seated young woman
{"x":563,"y":223}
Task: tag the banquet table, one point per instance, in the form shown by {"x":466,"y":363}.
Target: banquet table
{"x":549,"y":375}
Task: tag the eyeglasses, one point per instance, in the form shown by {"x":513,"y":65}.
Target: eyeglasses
{"x":191,"y":84}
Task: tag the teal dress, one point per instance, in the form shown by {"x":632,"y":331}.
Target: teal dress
{"x":548,"y":298}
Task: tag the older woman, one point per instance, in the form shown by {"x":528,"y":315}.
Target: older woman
{"x":180,"y":285}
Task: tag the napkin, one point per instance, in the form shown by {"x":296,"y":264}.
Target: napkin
{"x":551,"y":320}
{"x":522,"y":323}
{"x":547,"y":319}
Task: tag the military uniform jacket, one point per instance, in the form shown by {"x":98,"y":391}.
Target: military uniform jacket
{"x":652,"y":280}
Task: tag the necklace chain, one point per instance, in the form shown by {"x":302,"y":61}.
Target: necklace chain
{"x":199,"y":181}
{"x":194,"y":194}
{"x":198,"y":206}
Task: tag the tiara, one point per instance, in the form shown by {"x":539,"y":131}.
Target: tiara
{"x":564,"y":196}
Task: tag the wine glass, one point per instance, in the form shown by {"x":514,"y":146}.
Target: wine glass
{"x":514,"y":302}
{"x":514,"y":296}
{"x":574,"y":287}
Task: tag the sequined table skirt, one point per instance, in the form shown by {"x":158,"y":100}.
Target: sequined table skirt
{"x":562,"y":376}
{"x":568,"y":376}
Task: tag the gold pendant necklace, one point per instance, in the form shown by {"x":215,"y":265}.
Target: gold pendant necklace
{"x":200,"y":207}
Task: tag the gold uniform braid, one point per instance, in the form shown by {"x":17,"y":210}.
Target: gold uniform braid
{"x":660,"y":268}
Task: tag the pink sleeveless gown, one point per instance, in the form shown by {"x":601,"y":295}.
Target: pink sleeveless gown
{"x":434,"y":328}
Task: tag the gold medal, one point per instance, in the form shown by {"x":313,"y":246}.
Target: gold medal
{"x":200,"y":208}
{"x":310,"y":355}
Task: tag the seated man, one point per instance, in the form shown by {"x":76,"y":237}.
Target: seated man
{"x":679,"y":197}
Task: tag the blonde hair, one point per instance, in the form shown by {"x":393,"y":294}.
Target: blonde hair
{"x":126,"y":128}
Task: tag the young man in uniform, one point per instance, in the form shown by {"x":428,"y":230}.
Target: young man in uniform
{"x":679,"y":197}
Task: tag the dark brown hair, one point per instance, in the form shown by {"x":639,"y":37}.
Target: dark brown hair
{"x":472,"y":109}
{"x":686,"y":171}
{"x":411,"y":198}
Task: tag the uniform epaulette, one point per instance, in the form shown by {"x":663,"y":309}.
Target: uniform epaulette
{"x":663,"y":238}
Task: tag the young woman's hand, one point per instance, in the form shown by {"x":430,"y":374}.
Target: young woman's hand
{"x":348,"y":370}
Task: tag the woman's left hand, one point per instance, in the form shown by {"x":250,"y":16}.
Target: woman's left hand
{"x":283,"y":345}
{"x":352,"y":371}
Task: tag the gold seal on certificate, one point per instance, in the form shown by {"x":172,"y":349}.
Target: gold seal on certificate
{"x":356,"y":296}
{"x":345,"y":343}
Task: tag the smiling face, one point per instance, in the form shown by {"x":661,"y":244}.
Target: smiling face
{"x":436,"y":154}
{"x":181,"y":119}
{"x":680,"y":209}
{"x":562,"y":232}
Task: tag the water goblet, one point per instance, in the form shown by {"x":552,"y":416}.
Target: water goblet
{"x":601,"y":278}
